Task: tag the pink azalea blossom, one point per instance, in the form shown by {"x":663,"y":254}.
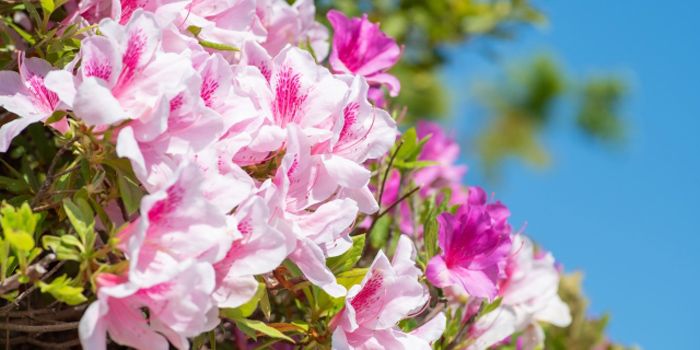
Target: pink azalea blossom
{"x":529,"y":296}
{"x":292,"y":24}
{"x":93,"y":11}
{"x":123,"y":74}
{"x":177,"y":308}
{"x":25,"y":94}
{"x":360,"y":48}
{"x":472,"y":249}
{"x":321,"y":232}
{"x":228,"y":22}
{"x":176,"y":223}
{"x":342,"y":128}
{"x":387,"y":294}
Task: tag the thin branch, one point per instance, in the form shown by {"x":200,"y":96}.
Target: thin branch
{"x":388,"y":169}
{"x":398,"y":201}
{"x":49,"y":174}
{"x":465,"y":328}
{"x":56,"y":314}
{"x":43,"y":344}
{"x":47,"y":207}
{"x":34,"y":271}
{"x":40,"y":329}
{"x":69,"y":170}
{"x":375,"y":216}
{"x":293,"y":281}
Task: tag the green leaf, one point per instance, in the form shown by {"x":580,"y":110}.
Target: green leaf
{"x":14,"y":185}
{"x":130,"y":192}
{"x":82,"y":220}
{"x":29,"y":175}
{"x":32,"y":11}
{"x":380,"y":232}
{"x":194,"y":30}
{"x":249,"y":327}
{"x":48,"y":6}
{"x":418,"y":164}
{"x":51,"y":242}
{"x":430,"y":235}
{"x":350,"y":278}
{"x":265,"y":304}
{"x":409,"y":140}
{"x":217,"y":46}
{"x":56,"y":116}
{"x":348,"y":259}
{"x":19,"y":225}
{"x":492,"y":306}
{"x":61,"y":289}
{"x":11,"y":296}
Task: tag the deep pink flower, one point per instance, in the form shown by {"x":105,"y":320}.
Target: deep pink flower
{"x":360,"y":48}
{"x":472,"y":248}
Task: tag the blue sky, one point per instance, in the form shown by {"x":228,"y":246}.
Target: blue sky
{"x":629,"y":217}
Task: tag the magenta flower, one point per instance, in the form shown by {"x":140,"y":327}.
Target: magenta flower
{"x":472,"y":248}
{"x":360,"y":48}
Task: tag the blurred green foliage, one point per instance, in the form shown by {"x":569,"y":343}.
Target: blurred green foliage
{"x":521,"y":105}
{"x":584,"y":332}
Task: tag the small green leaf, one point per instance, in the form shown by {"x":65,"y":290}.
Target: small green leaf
{"x":492,"y":306}
{"x":194,"y":30}
{"x":19,"y":225}
{"x":350,"y":278}
{"x":48,"y":6}
{"x":32,"y":11}
{"x":81,"y":218}
{"x":130,"y":191}
{"x":14,"y":185}
{"x":409,"y":140}
{"x":380,"y":232}
{"x":249,"y":327}
{"x":217,"y":46}
{"x":348,"y":259}
{"x":61,"y":289}
{"x":11,"y":296}
{"x":55,"y":117}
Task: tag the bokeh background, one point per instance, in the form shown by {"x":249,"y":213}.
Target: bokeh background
{"x":581,"y":116}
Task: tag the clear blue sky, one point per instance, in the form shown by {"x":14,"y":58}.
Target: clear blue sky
{"x":630,"y":218}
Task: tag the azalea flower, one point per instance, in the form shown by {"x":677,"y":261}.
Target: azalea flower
{"x":176,"y":223}
{"x":123,"y":74}
{"x":359,"y":47}
{"x":176,"y":308}
{"x":291,"y":24}
{"x":529,"y":295}
{"x":26,"y":95}
{"x":387,"y":294}
{"x":472,"y":249}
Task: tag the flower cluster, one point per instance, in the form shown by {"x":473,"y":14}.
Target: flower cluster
{"x":260,"y":169}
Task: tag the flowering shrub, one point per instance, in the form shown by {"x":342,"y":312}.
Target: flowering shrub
{"x":215,"y":182}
